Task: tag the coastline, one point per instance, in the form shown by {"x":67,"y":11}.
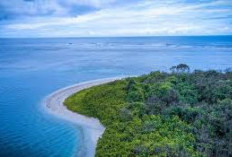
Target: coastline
{"x":92,"y":128}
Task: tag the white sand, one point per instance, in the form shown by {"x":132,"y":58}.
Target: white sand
{"x":92,"y":128}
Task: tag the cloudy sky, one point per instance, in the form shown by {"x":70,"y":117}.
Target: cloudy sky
{"x":84,"y":18}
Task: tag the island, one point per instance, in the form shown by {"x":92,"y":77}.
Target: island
{"x":176,"y":113}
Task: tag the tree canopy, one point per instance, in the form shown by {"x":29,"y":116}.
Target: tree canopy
{"x":181,"y":113}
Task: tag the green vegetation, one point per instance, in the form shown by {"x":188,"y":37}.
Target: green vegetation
{"x":181,"y":113}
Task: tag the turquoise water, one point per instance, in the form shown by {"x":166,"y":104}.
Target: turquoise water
{"x":30,"y":69}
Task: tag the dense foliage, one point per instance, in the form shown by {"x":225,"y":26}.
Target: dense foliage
{"x":180,"y":113}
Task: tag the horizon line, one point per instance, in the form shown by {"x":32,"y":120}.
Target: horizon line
{"x":147,"y":36}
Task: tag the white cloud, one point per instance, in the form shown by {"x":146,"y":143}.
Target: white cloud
{"x":94,"y":3}
{"x":143,"y":18}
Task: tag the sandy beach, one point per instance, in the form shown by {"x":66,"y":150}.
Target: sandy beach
{"x":92,"y":128}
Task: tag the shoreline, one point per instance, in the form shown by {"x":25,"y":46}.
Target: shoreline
{"x":91,"y":127}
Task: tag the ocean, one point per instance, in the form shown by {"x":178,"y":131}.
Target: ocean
{"x":30,"y":69}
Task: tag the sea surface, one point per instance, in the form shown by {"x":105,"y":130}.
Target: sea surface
{"x":30,"y":69}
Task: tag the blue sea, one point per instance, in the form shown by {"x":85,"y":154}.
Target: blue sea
{"x":30,"y":69}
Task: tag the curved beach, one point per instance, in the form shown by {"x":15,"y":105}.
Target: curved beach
{"x":92,"y":128}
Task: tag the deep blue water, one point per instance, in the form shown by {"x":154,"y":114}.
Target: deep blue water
{"x":30,"y":69}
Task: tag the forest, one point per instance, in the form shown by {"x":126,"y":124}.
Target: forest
{"x":183,"y":112}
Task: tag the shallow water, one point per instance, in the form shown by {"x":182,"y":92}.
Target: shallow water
{"x":30,"y":69}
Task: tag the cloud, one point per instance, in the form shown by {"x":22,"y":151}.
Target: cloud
{"x":20,"y":8}
{"x":148,"y":17}
{"x":93,"y":3}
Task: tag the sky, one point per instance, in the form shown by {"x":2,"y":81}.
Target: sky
{"x":97,"y":18}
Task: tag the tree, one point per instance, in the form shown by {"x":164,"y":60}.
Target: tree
{"x":182,"y":68}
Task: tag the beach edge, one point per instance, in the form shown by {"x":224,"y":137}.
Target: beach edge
{"x":91,"y":127}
